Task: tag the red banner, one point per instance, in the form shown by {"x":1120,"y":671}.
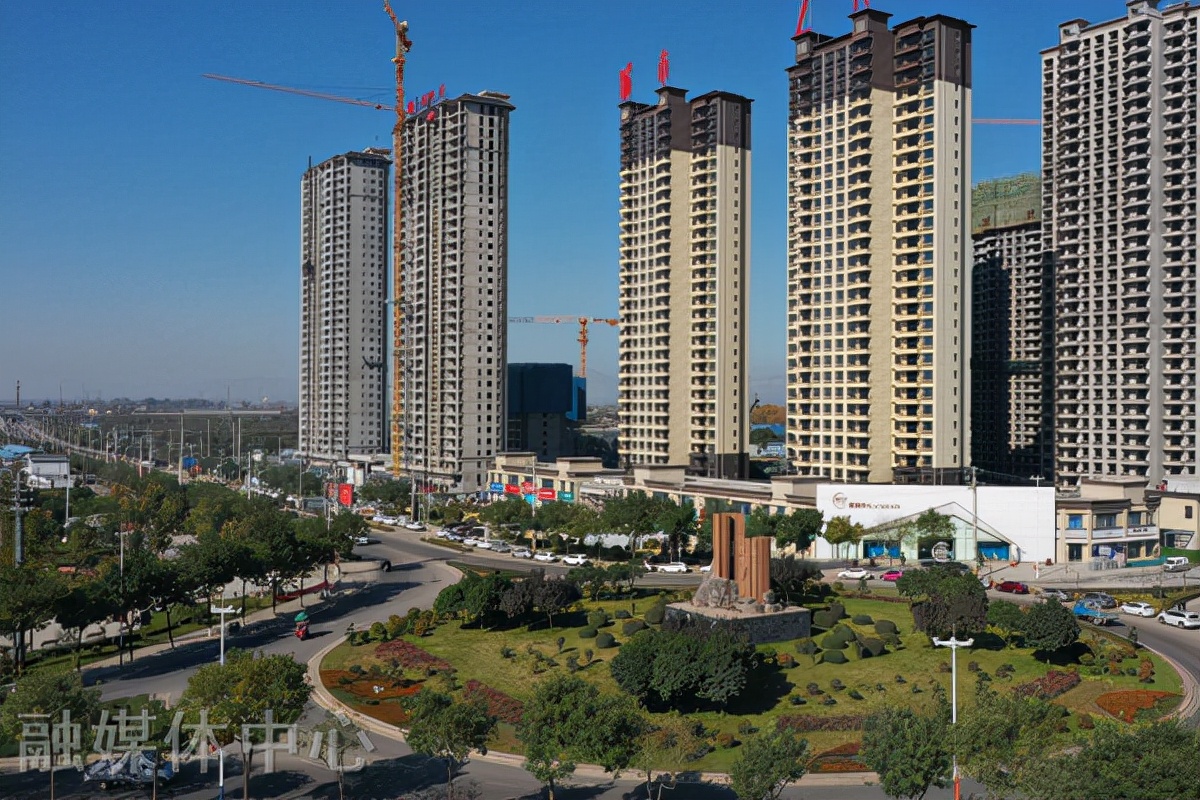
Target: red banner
{"x":546,"y":494}
{"x":512,"y":488}
{"x":345,"y":494}
{"x":527,"y":487}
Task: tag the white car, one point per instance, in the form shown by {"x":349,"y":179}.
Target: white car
{"x":575,"y":560}
{"x":544,"y":556}
{"x":675,"y":567}
{"x":1180,"y":618}
{"x":500,"y":547}
{"x":1138,"y":609}
{"x":483,"y":544}
{"x":361,"y":540}
{"x":415,"y":526}
{"x":854,"y":574}
{"x":521,"y":552}
{"x":470,"y":541}
{"x":706,"y":568}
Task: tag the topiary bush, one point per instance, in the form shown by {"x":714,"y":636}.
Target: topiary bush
{"x":844,"y":633}
{"x":807,"y":647}
{"x":833,"y":657}
{"x":597,"y":619}
{"x":587,"y":633}
{"x":823,"y":619}
{"x":656,"y":613}
{"x":855,"y":694}
{"x":605,"y":640}
{"x":891,"y":638}
{"x":837,"y":685}
{"x":797,"y":700}
{"x":886,"y":626}
{"x":725,"y":740}
{"x":833,"y":642}
{"x":621,"y":613}
{"x":838,"y":610}
{"x":632,"y":626}
{"x":814,"y":689}
{"x":862,"y":619}
{"x":873,"y":646}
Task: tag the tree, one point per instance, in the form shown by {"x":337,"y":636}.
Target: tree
{"x":27,"y":598}
{"x":241,"y":691}
{"x":336,"y":736}
{"x":952,"y":602}
{"x":840,"y":530}
{"x":673,"y":667}
{"x":933,"y":525}
{"x":1050,"y":626}
{"x":509,"y":512}
{"x":910,"y":751}
{"x":551,"y":595}
{"x":439,"y":727}
{"x":46,"y":692}
{"x":1001,"y":736}
{"x":568,"y":720}
{"x":668,"y":746}
{"x":678,"y":522}
{"x":767,"y":764}
{"x":83,"y":603}
{"x":799,"y":528}
{"x":790,"y":576}
{"x":1007,"y":618}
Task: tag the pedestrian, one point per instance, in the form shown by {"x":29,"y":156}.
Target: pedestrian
{"x":1133,"y":636}
{"x":1035,"y":571}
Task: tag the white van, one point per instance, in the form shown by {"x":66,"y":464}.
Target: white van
{"x":1176,"y":564}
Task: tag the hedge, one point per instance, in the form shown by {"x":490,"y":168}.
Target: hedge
{"x":886,"y":626}
{"x":833,"y":657}
{"x":632,"y":626}
{"x":587,"y":633}
{"x":605,"y":639}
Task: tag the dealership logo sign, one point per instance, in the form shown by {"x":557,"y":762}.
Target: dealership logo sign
{"x":839,"y":500}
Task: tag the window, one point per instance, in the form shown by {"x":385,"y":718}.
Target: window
{"x":1106,"y":520}
{"x":1187,"y":512}
{"x":1074,"y":552}
{"x":1075,"y":522}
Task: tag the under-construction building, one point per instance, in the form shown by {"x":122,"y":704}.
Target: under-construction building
{"x":453,"y":279}
{"x":1012,"y":337}
{"x":684,"y":272}
{"x":1119,"y":103}
{"x":879,"y":282}
{"x":343,"y":290}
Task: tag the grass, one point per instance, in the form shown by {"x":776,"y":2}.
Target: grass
{"x":477,"y":654}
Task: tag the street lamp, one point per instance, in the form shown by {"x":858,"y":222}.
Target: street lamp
{"x":954,"y":643}
{"x":221,"y":753}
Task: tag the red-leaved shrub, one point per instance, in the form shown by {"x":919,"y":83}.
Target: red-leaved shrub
{"x":499,"y":705}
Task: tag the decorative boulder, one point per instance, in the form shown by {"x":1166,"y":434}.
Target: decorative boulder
{"x":714,"y":592}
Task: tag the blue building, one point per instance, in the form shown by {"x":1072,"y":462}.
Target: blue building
{"x":546,"y":402}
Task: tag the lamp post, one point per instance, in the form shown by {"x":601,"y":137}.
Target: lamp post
{"x":223,"y":610}
{"x":954,"y":643}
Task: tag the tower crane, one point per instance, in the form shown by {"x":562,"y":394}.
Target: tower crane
{"x":582,"y":322}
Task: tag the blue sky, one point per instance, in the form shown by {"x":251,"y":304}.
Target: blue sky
{"x":149,"y":219}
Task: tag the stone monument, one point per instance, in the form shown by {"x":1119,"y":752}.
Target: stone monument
{"x":737,"y":592}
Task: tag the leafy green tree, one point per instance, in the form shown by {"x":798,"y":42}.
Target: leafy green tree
{"x":633,"y":665}
{"x":83,"y":603}
{"x":439,"y":727}
{"x":1007,"y":618}
{"x":799,"y":528}
{"x":950,"y":601}
{"x":567,"y":720}
{"x":668,"y":746}
{"x":767,"y":764}
{"x":52,"y":694}
{"x":1148,"y":763}
{"x":790,"y":576}
{"x":634,"y":513}
{"x":241,"y":691}
{"x":678,"y":522}
{"x":395,"y":494}
{"x":933,"y":525}
{"x":1002,"y":736}
{"x":676,"y":667}
{"x":910,"y":751}
{"x":1050,"y":626}
{"x":213,"y":510}
{"x":338,"y":736}
{"x":840,"y":531}
{"x":761,"y":522}
{"x":509,"y":512}
{"x":28,"y":595}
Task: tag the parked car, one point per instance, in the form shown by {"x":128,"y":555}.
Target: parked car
{"x":500,"y":547}
{"x":673,"y":567}
{"x":361,"y":540}
{"x":483,"y":544}
{"x":415,"y":526}
{"x":1180,"y":618}
{"x":545,"y":556}
{"x":1103,"y":599}
{"x":706,"y":568}
{"x":1138,"y":609}
{"x":855,"y":573}
{"x":1176,"y":564}
{"x":1012,"y":587}
{"x":576,"y":560}
{"x":892,"y":575}
{"x":1054,"y":594}
{"x":470,"y":541}
{"x":521,"y":552}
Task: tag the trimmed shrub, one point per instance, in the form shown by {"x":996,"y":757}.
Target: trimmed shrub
{"x":621,"y":613}
{"x":807,"y":647}
{"x":605,"y":640}
{"x":900,"y":679}
{"x":838,"y":610}
{"x":597,"y":619}
{"x":632,"y":626}
{"x":886,"y":626}
{"x":862,"y":619}
{"x":833,"y":642}
{"x":785,"y":660}
{"x":823,"y":619}
{"x":1049,"y":687}
{"x":837,"y":685}
{"x":829,"y":701}
{"x":587,"y":633}
{"x":804,"y":723}
{"x":1085,"y":721}
{"x":972,"y":666}
{"x":843,"y":633}
{"x":874,"y":647}
{"x":814,"y":689}
{"x":725,"y":740}
{"x":797,"y":700}
{"x":892,"y":639}
{"x":746,"y":729}
{"x":833,"y":657}
{"x":655,"y":614}
{"x":854,"y":694}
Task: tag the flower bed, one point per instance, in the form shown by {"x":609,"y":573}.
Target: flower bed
{"x":409,"y":656}
{"x":812,"y":722}
{"x":843,"y":758}
{"x":499,"y":705}
{"x":1050,"y":686}
{"x":363,"y":685}
{"x":1126,"y":705}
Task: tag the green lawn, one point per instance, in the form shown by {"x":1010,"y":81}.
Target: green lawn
{"x":477,"y":654}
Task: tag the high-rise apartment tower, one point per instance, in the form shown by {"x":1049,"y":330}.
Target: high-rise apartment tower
{"x":1012,"y":337}
{"x":1119,"y":134}
{"x":684,"y":281}
{"x":343,"y":288}
{"x":454,"y":273}
{"x":879,"y":248}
